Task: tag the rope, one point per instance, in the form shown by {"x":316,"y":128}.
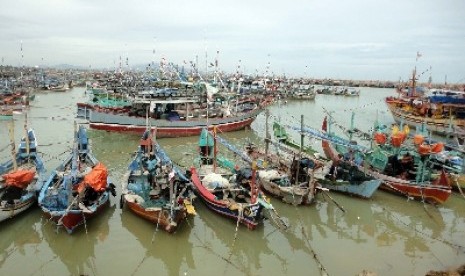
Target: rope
{"x":322,"y":268}
{"x":456,"y":246}
{"x":4,"y":148}
{"x":458,"y":185}
{"x":208,"y":248}
{"x":156,"y":228}
{"x":239,"y":218}
{"x":85,"y":222}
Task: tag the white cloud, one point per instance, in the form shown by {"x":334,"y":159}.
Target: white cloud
{"x":349,"y":39}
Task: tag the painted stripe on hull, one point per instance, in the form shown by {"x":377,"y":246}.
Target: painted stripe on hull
{"x":440,"y":126}
{"x":11,"y":211}
{"x":430,"y":193}
{"x":225,"y":211}
{"x":74,"y":219}
{"x":171,"y":132}
{"x":210,"y":200}
{"x":153,"y":216}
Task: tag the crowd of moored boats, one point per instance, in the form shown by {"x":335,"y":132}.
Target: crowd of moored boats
{"x":158,"y":190}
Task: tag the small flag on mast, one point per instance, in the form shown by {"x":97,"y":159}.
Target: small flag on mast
{"x":418,"y":55}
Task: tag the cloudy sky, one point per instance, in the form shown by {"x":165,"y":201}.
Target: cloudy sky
{"x":357,"y":39}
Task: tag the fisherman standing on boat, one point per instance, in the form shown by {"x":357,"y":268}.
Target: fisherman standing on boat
{"x":152,"y":166}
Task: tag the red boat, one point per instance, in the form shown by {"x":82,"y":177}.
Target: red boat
{"x":176,"y":117}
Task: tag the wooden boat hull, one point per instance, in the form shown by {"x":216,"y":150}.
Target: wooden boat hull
{"x":435,"y":194}
{"x":159,"y":217}
{"x":365,"y":189}
{"x":9,"y":211}
{"x":225,"y":208}
{"x":303,"y":97}
{"x":440,"y":126}
{"x":458,"y":182}
{"x":27,"y":196}
{"x":63,"y":199}
{"x":75,"y":218}
{"x":290,"y":195}
{"x":120,"y":122}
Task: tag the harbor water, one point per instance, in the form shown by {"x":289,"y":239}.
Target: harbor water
{"x":387,"y":234}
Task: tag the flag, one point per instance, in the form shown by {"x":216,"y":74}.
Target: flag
{"x":418,"y":55}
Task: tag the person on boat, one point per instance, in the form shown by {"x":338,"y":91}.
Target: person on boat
{"x":152,"y":166}
{"x":349,"y":156}
{"x":335,"y":169}
{"x":407,"y":163}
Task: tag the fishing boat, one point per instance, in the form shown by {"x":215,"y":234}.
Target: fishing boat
{"x":173,"y":116}
{"x":78,"y":189}
{"x":154,"y":188}
{"x":293,"y":183}
{"x":339,"y":177}
{"x":6,"y":114}
{"x":443,"y":115}
{"x":234,"y":195}
{"x":425,"y":185}
{"x":283,"y":174}
{"x":302,"y":92}
{"x":22,"y":177}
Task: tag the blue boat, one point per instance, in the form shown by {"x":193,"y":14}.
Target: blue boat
{"x":341,"y":177}
{"x":156,"y":189}
{"x":21,"y":178}
{"x":78,"y":189}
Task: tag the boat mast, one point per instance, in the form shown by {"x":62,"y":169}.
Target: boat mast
{"x":12,"y":142}
{"x":297,"y":166}
{"x":214,"y":148}
{"x":267,"y":133}
{"x":253,"y":188}
{"x":26,"y":138}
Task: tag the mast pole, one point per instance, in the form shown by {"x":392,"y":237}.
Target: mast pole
{"x":214,"y":148}
{"x":26,"y":138}
{"x":12,"y":142}
{"x":267,"y":133}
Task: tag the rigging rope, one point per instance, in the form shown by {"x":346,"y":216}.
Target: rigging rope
{"x":457,"y":246}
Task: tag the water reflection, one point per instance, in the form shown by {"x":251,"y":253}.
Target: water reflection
{"x":411,"y":224}
{"x":243,"y":250}
{"x":19,"y":233}
{"x":174,"y":250}
{"x":77,"y":251}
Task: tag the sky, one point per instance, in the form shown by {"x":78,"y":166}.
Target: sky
{"x":356,"y":39}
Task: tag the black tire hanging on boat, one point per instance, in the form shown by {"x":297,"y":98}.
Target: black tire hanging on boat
{"x":121,"y":202}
